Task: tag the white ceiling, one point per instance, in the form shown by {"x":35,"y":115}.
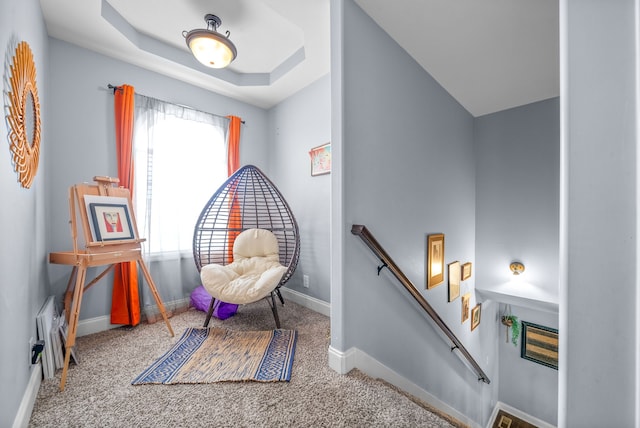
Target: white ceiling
{"x":488,"y":54}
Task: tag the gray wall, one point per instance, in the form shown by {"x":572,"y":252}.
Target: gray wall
{"x":23,"y":246}
{"x":517,"y":195}
{"x":517,"y":218}
{"x":302,"y":122}
{"x":409,"y":171}
{"x":523,"y":384}
{"x":600,"y":297}
{"x":84,"y":138}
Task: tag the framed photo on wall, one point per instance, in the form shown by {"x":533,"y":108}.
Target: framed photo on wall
{"x":454,"y":281}
{"x":320,"y":159}
{"x":466,"y":271}
{"x":435,"y":259}
{"x":476,"y":312}
{"x":466,"y":298}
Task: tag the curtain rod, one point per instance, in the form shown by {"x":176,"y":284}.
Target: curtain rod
{"x":118,"y":88}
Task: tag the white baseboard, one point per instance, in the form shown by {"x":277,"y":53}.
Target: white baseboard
{"x":95,"y":325}
{"x":302,"y":299}
{"x":517,"y":413}
{"x":29,"y":397}
{"x":343,"y":362}
{"x":103,"y":323}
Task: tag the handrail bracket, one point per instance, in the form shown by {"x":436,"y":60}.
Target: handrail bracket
{"x":382,"y":266}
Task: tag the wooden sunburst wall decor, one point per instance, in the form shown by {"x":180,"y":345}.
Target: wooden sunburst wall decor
{"x":24,"y":115}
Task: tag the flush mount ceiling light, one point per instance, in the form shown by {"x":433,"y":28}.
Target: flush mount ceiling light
{"x":210,"y":47}
{"x":517,"y":268}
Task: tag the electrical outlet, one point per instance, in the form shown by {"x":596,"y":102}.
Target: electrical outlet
{"x":305,"y":281}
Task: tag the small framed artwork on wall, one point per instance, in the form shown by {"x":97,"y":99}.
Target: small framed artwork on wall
{"x":320,"y":159}
{"x":466,"y":271}
{"x":466,"y":298}
{"x":454,"y":281}
{"x":475,"y":316}
{"x":539,"y":344}
{"x":435,"y":259}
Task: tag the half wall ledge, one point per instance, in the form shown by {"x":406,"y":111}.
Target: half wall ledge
{"x":506,"y":293}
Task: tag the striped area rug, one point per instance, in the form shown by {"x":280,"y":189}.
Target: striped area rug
{"x":208,"y":355}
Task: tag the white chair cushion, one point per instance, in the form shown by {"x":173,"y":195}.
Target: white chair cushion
{"x":255,"y":242}
{"x":254,"y":273}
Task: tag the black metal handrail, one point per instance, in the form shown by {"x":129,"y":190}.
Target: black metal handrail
{"x":365,"y":235}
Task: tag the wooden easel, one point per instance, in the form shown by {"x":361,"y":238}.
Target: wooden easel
{"x":96,"y":253}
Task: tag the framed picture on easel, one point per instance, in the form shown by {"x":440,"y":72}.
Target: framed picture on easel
{"x":103,"y":213}
{"x":109,"y":218}
{"x":111,"y":222}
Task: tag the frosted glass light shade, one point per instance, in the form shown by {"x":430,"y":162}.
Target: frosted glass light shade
{"x":211,"y":48}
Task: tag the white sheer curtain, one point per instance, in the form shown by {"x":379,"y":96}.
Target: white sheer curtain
{"x":180,"y":159}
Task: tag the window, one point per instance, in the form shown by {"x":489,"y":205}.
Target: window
{"x":180,"y":159}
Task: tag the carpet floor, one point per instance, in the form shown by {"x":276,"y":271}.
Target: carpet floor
{"x":99,"y":393}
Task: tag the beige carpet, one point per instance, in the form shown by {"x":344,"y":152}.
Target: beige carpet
{"x":99,"y":393}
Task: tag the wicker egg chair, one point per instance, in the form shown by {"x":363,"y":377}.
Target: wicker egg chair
{"x":248,"y":199}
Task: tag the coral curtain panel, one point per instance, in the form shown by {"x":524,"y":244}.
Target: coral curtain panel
{"x":125,"y":301}
{"x":233,"y":152}
{"x":233,"y":164}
